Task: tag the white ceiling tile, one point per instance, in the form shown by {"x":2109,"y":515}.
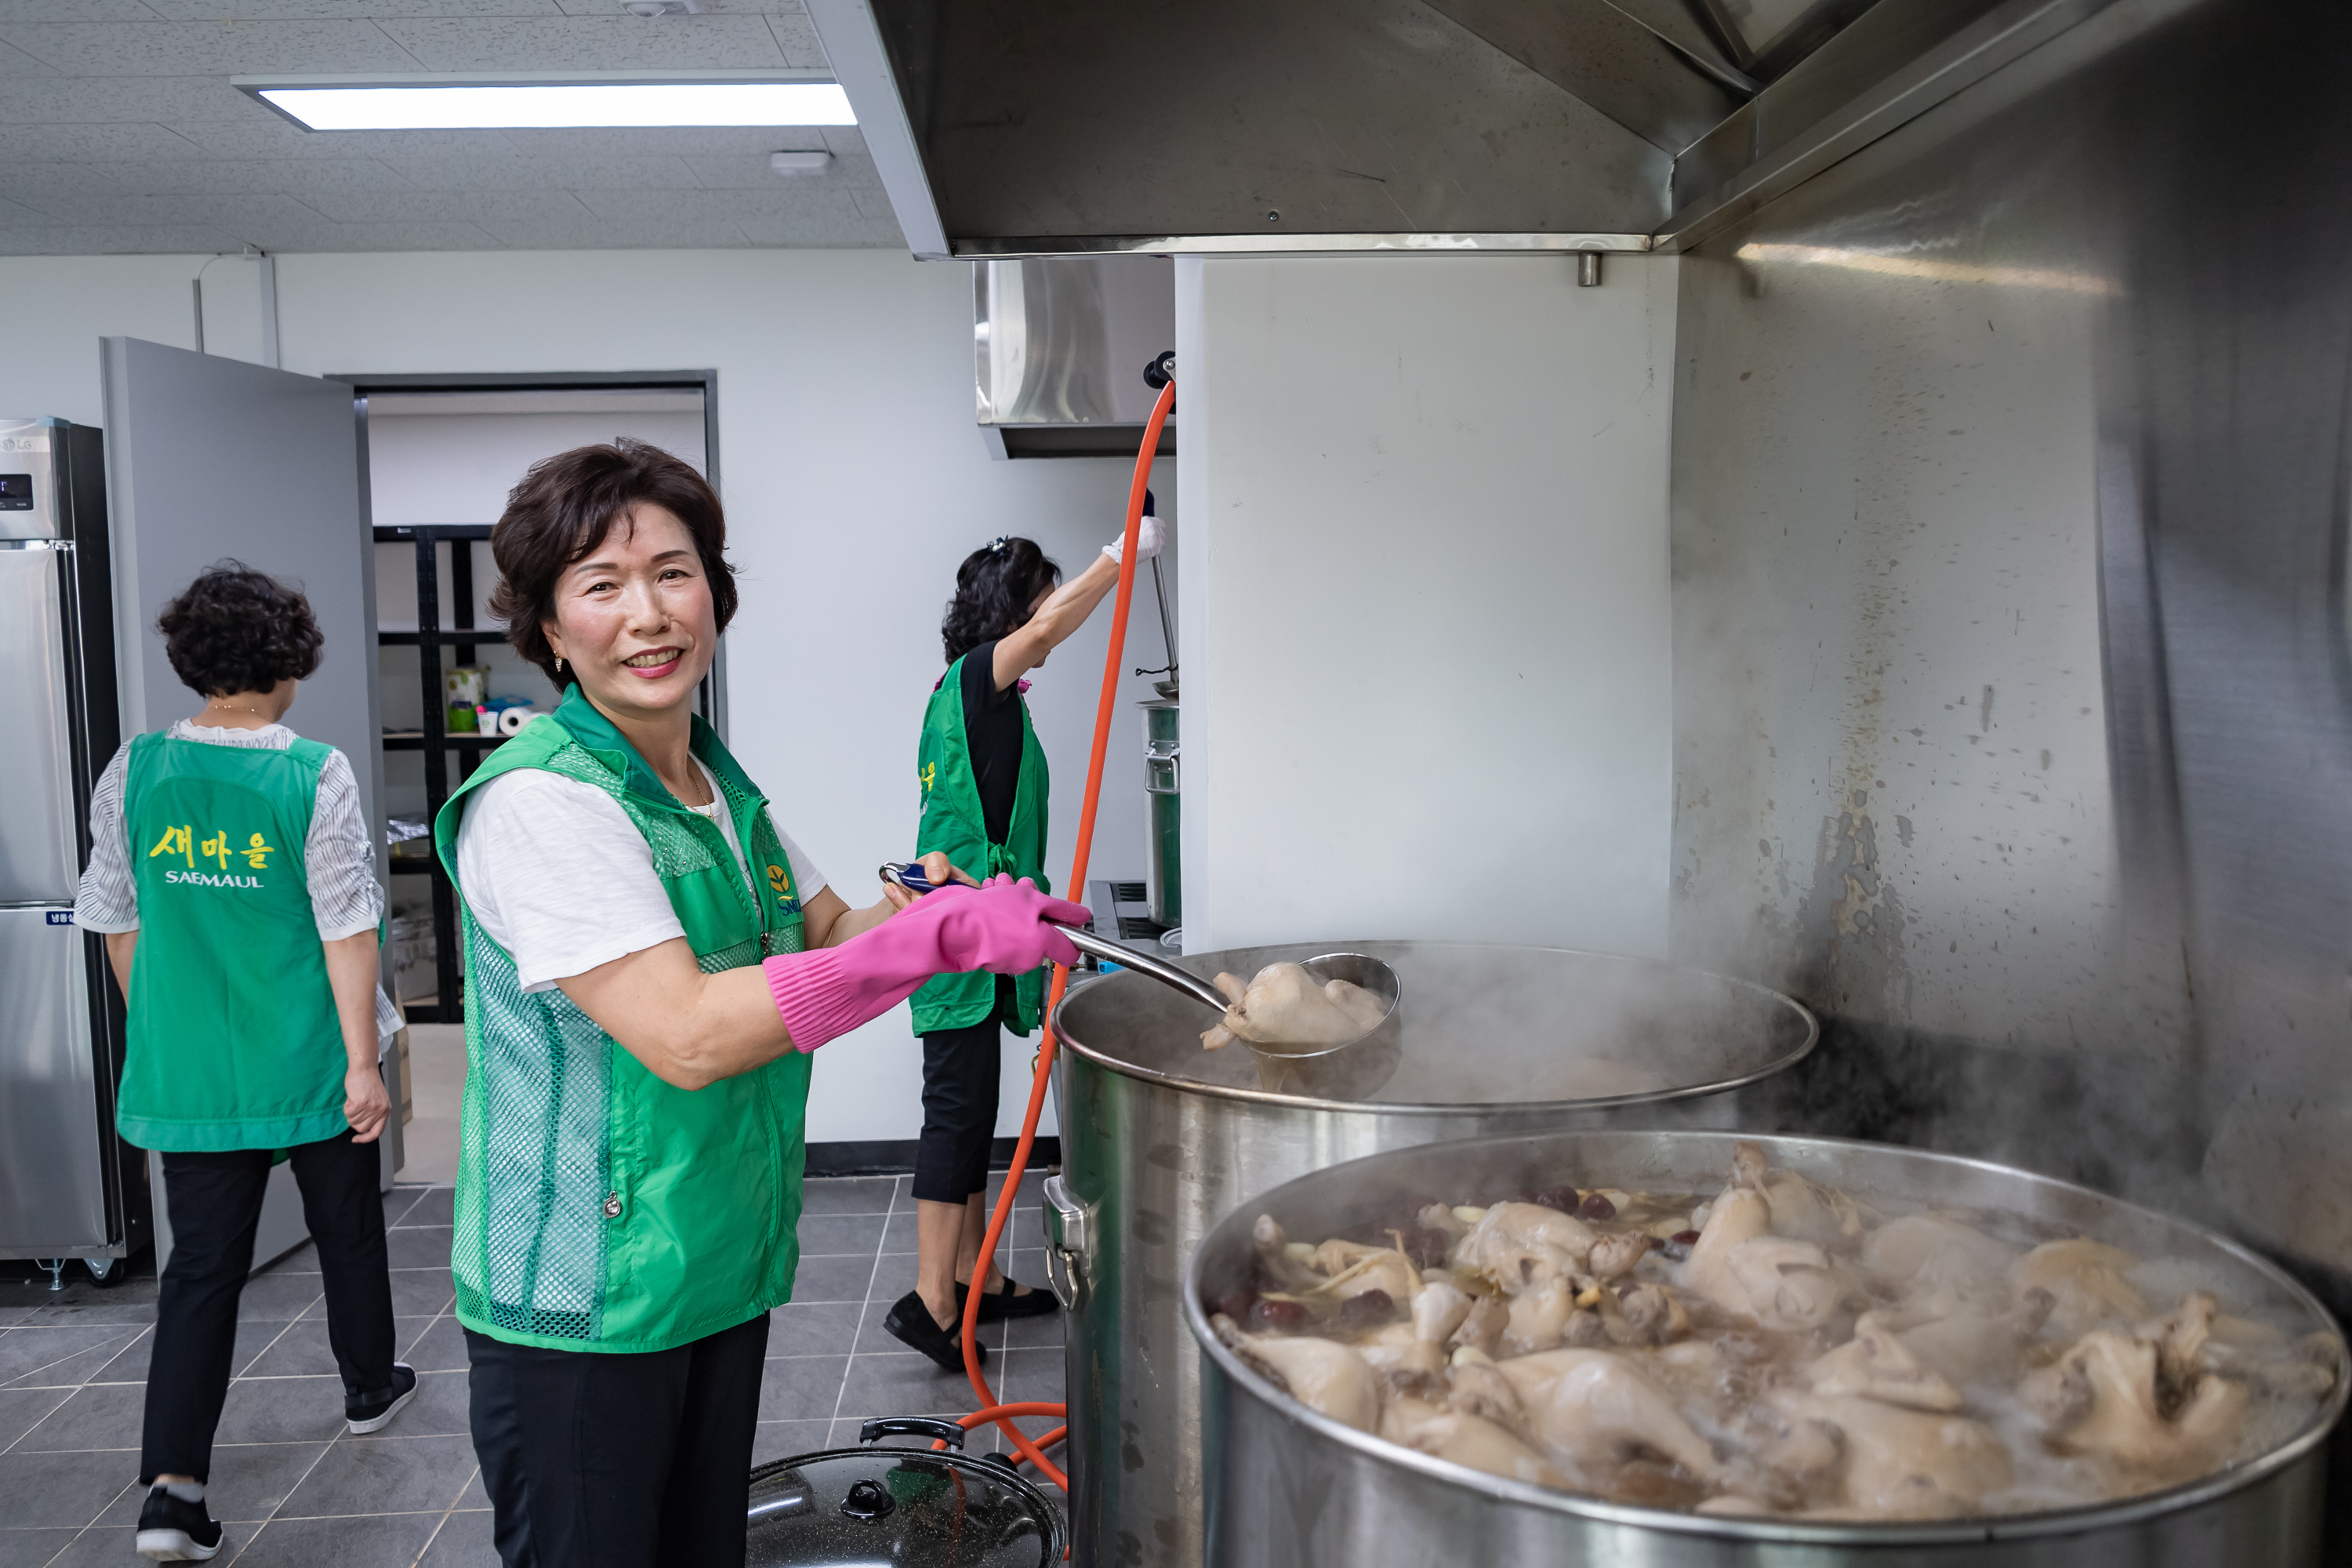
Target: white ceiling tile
{"x":288,"y":175}
{"x":80,"y":143}
{"x":684,"y":141}
{"x":846,"y":233}
{"x":451,"y":206}
{"x":587,"y":43}
{"x":214,"y":209}
{"x":164,"y":100}
{"x":18,"y":181}
{"x":350,"y":10}
{"x":74,"y":11}
{"x":796,"y":36}
{"x":17,"y":214}
{"x":701,"y":234}
{"x":335,"y":237}
{"x":76,"y":240}
{"x":178,"y":49}
{"x":16,"y":64}
{"x":782,"y":201}
{"x":544,"y":173}
{"x":275,"y":138}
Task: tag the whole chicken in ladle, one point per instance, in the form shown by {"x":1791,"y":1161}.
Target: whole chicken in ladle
{"x":1286,"y":1008}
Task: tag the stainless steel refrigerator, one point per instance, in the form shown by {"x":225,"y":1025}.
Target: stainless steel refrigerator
{"x":70,"y":1188}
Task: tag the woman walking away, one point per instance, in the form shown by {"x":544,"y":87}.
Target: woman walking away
{"x":233,"y":876}
{"x":984,"y":805}
{"x":648,"y":964}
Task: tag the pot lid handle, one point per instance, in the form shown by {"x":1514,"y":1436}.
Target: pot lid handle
{"x":881,"y":1427}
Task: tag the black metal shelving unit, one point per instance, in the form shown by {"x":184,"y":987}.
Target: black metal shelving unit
{"x":434,"y":741}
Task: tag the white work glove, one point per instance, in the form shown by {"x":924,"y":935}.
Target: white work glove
{"x":1148,"y":538}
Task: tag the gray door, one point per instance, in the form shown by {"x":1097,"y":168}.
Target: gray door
{"x":37,"y":851}
{"x":209,"y":459}
{"x":52,"y":1193}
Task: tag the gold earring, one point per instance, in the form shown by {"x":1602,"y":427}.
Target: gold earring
{"x":559,"y":664}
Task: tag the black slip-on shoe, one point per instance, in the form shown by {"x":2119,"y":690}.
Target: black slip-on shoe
{"x":173,"y":1531}
{"x":1009,"y":1301}
{"x":911,"y":1324}
{"x":374,"y":1415}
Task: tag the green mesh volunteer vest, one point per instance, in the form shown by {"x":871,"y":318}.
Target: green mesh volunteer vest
{"x":952,"y":821}
{"x":599,"y":1208}
{"x":233,"y":1038}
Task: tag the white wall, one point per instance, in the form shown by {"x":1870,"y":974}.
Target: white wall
{"x":1428,"y":683}
{"x":854,"y":481}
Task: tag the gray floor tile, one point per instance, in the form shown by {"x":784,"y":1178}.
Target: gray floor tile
{"x":433,"y":1206}
{"x":898,"y":1235}
{"x":903,"y":1385}
{"x":474,"y":1496}
{"x":1032,"y":1186}
{"x":463,"y":1541}
{"x":37,"y":1357}
{"x":282,"y":1410}
{"x":416,"y":1292}
{"x":782,"y":1439}
{"x":385,"y":1474}
{"x":109,"y":1544}
{"x":40,"y":1491}
{"x":279,"y":1298}
{"x":438,"y":1344}
{"x":1035,"y":1333}
{"x":839,"y":1234}
{"x":802,"y":1388}
{"x":13,"y":1313}
{"x":98,"y":1311}
{"x":301,"y":1351}
{"x":819,"y":1279}
{"x":108,"y":1417}
{"x":32,"y":1548}
{"x":1024,"y":1375}
{"x":827,"y":1328}
{"x":251,"y":1481}
{"x":390,"y":1541}
{"x":22,"y":1409}
{"x":438,"y":1410}
{"x":418,"y":1247}
{"x":845,"y":1194}
{"x":129,"y":1364}
{"x":254,"y":1341}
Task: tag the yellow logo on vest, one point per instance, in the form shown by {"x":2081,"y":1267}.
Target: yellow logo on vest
{"x":929,"y":775}
{"x":182,"y":841}
{"x":780,"y":882}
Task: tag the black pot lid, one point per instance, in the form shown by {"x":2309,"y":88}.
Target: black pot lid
{"x":902,"y":1508}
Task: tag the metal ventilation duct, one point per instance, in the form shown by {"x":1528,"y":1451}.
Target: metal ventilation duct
{"x":1059,"y":344}
{"x":1005,"y":128}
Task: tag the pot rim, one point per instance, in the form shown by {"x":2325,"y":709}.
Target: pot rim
{"x":1057,"y":1535}
{"x":1778,"y":999}
{"x":1983,"y":1528}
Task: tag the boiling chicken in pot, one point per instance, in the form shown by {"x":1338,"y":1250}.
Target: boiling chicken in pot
{"x":1286,"y":1007}
{"x":1778,"y":1350}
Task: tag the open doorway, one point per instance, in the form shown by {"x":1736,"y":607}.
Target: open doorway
{"x":442,"y":453}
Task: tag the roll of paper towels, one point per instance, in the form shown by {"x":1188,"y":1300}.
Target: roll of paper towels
{"x":514,"y":718}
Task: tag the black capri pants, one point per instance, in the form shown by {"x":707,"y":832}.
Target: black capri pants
{"x":962,"y":1071}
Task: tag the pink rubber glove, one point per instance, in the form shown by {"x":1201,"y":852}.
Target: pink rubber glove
{"x":998,"y":927}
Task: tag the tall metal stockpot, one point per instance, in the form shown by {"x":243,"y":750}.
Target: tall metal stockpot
{"x":1159,"y":1138}
{"x":1289,"y":1488}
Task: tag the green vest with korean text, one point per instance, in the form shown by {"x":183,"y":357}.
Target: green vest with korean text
{"x":952,"y":821}
{"x":599,"y":1208}
{"x":233,"y":1038}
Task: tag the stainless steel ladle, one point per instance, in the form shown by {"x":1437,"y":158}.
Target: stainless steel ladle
{"x":1356,"y":968}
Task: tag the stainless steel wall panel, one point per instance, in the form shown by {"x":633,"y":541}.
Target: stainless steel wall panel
{"x":52,"y":1189}
{"x":2014,"y":702}
{"x":40,"y":859}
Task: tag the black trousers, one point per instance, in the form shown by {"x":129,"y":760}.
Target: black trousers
{"x":962,"y":1071}
{"x":618,"y":1461}
{"x":214,"y":1202}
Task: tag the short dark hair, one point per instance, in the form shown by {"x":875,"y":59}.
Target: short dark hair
{"x":235,"y":629}
{"x":994,"y":588}
{"x":564,"y":508}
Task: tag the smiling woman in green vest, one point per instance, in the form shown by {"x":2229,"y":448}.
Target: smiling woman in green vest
{"x":985,"y":789}
{"x":648,"y":963}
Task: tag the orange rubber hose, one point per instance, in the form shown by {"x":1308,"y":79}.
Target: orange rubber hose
{"x":1034,"y":1452}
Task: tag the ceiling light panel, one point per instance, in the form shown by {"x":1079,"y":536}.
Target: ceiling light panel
{"x":515,"y":104}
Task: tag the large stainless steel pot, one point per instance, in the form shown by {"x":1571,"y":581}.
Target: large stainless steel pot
{"x":1289,"y":1488}
{"x":1160,"y":1138}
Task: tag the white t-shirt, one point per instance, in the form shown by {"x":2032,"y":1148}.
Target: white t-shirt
{"x":556,"y":874}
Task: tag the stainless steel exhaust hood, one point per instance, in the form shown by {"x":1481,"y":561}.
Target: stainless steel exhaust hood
{"x":1059,"y":345}
{"x":1039,"y":127}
